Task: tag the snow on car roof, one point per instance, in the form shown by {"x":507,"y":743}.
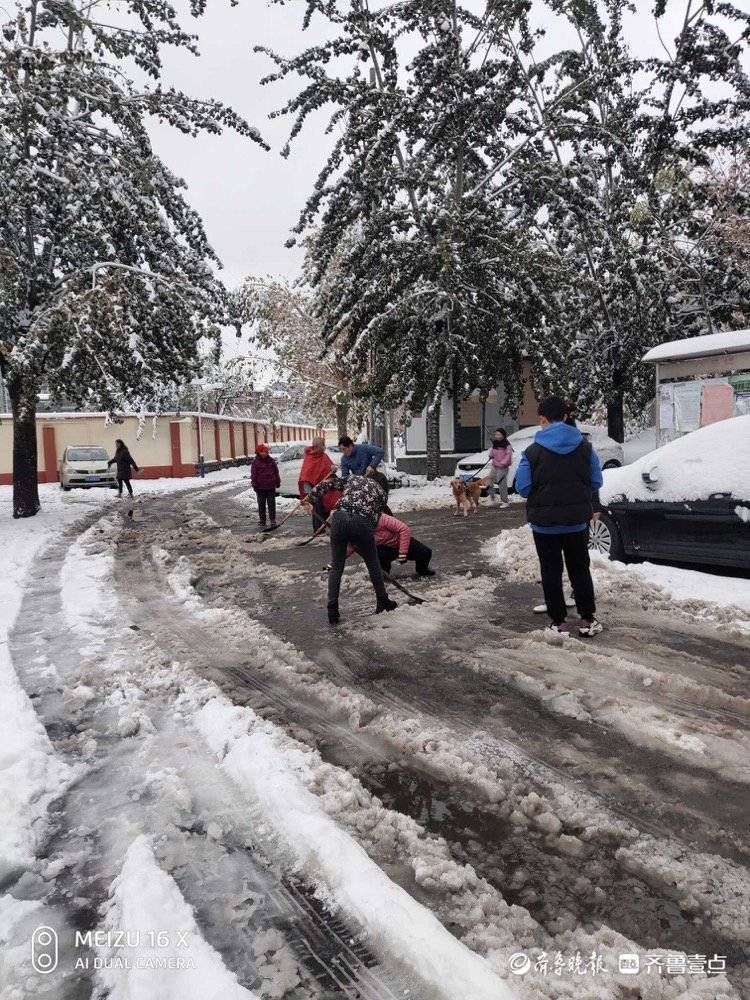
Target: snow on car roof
{"x":714,"y":459}
{"x":699,"y":347}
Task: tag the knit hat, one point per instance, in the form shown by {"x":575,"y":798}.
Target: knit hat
{"x":262,"y":449}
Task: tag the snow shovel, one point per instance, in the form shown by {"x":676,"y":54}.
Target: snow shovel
{"x":315,"y":534}
{"x":412,"y":597}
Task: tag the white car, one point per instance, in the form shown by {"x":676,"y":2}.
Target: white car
{"x":290,"y":466}
{"x":478,"y":465}
{"x":86,"y":466}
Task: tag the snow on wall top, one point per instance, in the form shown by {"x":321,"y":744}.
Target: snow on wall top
{"x":714,"y":459}
{"x":698,"y":347}
{"x":171,"y":415}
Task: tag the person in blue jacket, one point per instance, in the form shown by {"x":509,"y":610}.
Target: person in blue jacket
{"x":361,"y":459}
{"x":560,"y":476}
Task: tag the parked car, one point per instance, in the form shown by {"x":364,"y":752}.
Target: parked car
{"x":478,"y":465}
{"x":686,"y":502}
{"x":85,"y":466}
{"x":278,"y":448}
{"x":290,"y":465}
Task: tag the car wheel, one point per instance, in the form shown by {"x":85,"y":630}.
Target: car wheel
{"x":66,"y":488}
{"x":611,"y":464}
{"x":605,"y":538}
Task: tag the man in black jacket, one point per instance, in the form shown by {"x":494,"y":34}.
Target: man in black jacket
{"x":560,"y":476}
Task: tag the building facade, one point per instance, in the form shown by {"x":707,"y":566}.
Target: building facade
{"x":467,"y":425}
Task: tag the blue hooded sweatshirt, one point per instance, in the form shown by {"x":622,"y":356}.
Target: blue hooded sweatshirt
{"x":562,"y":439}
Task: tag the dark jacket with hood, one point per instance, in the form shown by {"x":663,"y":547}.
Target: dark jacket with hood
{"x":124,"y":462}
{"x":560,"y":475}
{"x":264,"y":472}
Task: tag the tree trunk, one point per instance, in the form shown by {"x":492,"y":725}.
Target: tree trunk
{"x":432,"y":425}
{"x":25,"y":485}
{"x":616,"y":415}
{"x":342,"y":416}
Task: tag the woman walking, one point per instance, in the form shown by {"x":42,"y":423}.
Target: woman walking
{"x":124,"y":462}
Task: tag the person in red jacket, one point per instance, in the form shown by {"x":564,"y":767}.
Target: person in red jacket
{"x":265,"y":479}
{"x":394,"y":541}
{"x":316,"y":466}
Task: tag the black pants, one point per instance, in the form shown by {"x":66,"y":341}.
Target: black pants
{"x":319,"y":514}
{"x":574,"y":549}
{"x":418,"y":553}
{"x":351,"y":529}
{"x":120,"y":481}
{"x":266,"y":498}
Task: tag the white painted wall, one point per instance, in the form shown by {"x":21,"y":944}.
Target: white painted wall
{"x":416,"y":432}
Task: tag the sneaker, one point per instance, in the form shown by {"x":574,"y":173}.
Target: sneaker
{"x":541,"y":609}
{"x":333,"y":613}
{"x":274,"y":524}
{"x":425,"y":572}
{"x":563,"y":628}
{"x":386,"y":605}
{"x":587,"y":629}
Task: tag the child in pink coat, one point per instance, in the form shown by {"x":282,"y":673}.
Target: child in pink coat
{"x":501,"y":458}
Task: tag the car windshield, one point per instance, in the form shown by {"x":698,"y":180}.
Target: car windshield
{"x":87,"y":455}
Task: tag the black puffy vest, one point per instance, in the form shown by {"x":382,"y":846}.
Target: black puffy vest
{"x":561,"y":485}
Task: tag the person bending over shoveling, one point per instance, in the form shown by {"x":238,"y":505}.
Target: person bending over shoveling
{"x":353,"y":524}
{"x":394,"y":542}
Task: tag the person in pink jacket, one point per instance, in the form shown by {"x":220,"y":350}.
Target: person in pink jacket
{"x":394,"y":541}
{"x":501,"y":458}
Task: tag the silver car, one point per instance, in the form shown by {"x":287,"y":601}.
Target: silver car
{"x":85,"y":466}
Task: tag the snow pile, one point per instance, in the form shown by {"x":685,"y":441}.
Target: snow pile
{"x":268,"y":771}
{"x":421,"y":494}
{"x":701,"y":596}
{"x":514,"y":553}
{"x":714,"y":459}
{"x":695,"y":347}
{"x":147,"y":904}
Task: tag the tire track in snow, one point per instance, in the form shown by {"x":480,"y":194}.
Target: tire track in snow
{"x":87,"y":673}
{"x":208,"y":582}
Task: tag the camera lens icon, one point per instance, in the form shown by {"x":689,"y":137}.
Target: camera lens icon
{"x":44,"y":950}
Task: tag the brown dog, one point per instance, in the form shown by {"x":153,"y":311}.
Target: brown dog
{"x":466,"y":493}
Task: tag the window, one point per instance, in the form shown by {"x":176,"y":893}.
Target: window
{"x":86,"y":455}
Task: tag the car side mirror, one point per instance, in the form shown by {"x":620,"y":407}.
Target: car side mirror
{"x":651,"y":478}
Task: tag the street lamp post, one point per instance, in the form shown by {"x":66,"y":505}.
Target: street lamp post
{"x":200,"y":388}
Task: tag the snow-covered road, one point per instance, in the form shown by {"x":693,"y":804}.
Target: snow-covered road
{"x":437,"y":803}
